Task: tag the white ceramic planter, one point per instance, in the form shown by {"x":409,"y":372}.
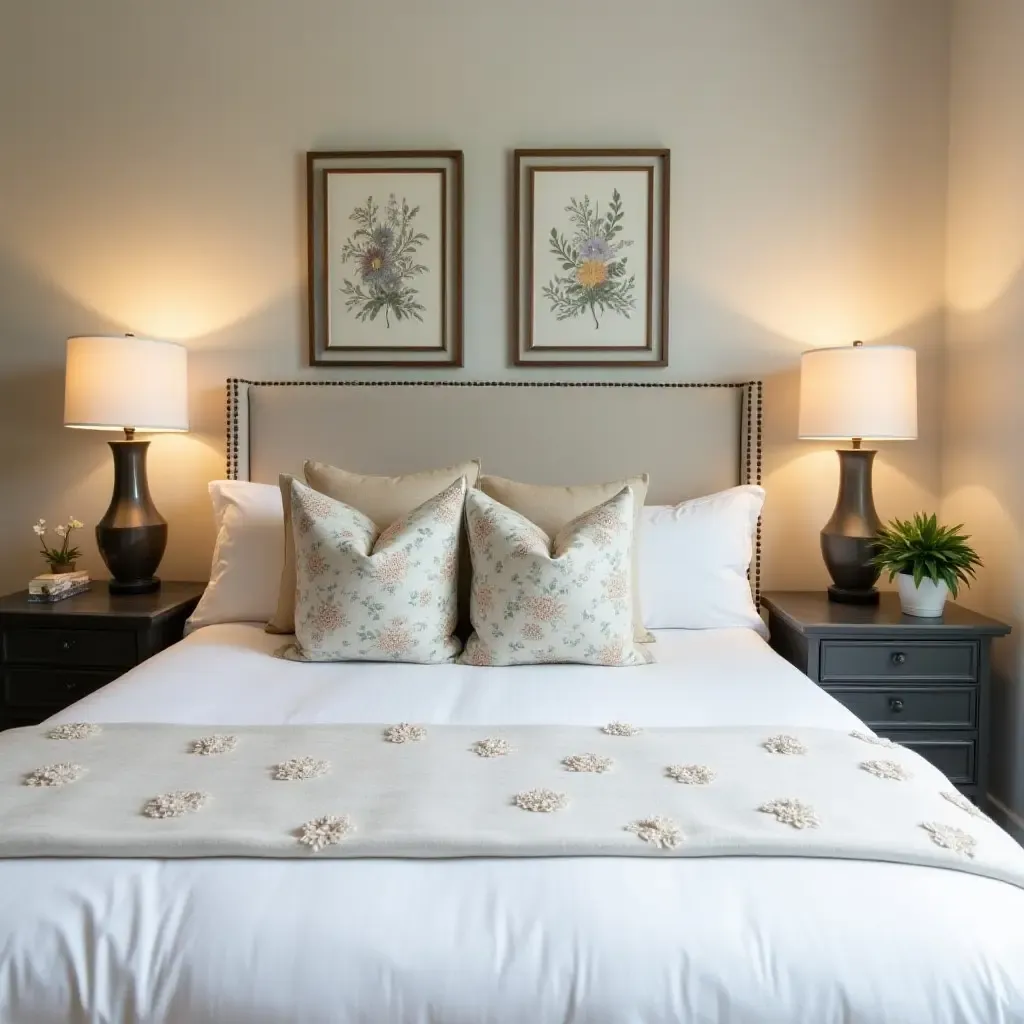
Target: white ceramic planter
{"x":925,"y":601}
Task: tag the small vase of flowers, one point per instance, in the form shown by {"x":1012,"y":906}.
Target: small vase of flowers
{"x":62,"y":559}
{"x":930,"y":562}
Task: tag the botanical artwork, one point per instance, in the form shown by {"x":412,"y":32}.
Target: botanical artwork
{"x":590,"y":275}
{"x":385,"y":258}
{"x":382,"y":250}
{"x":595,"y":276}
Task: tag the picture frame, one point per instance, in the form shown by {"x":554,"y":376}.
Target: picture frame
{"x":385,"y":257}
{"x":590,"y":257}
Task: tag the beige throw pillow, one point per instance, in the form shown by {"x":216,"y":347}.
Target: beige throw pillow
{"x":551,"y":508}
{"x":385,"y":499}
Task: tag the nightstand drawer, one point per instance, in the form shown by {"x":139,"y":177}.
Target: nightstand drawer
{"x":50,"y":688}
{"x":955,"y":758}
{"x":83,"y":647}
{"x":906,"y":660}
{"x":911,"y":707}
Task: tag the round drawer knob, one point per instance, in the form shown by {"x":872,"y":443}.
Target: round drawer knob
{"x":71,"y":685}
{"x":66,"y":645}
{"x":895,"y":705}
{"x":899,"y":658}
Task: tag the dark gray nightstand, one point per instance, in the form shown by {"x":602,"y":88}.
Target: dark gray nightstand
{"x":922,"y":682}
{"x":55,"y":654}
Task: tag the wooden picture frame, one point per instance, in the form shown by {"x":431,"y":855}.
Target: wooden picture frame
{"x":385,"y":257}
{"x":590,"y":257}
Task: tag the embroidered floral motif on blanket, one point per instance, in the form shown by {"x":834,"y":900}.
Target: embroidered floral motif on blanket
{"x":327,"y":831}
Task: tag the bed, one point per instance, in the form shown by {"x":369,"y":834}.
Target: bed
{"x":580,"y":939}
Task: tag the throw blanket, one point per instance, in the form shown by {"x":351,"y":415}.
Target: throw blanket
{"x":464,"y":791}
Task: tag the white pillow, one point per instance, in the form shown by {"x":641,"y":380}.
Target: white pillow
{"x":245,"y":576}
{"x":693,"y":561}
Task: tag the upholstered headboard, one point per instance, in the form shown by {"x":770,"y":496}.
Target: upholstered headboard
{"x":692,"y":439}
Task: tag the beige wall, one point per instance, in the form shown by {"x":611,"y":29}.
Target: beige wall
{"x":983,"y":463}
{"x":151,"y":180}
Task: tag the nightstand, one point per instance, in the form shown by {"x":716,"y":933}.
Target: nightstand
{"x":55,"y":654}
{"x":923,"y":683}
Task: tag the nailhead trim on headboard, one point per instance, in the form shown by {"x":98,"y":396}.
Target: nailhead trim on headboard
{"x":751,"y":428}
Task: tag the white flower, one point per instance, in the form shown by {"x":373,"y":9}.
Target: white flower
{"x":587,"y":763}
{"x":691,"y":774}
{"x":55,"y":774}
{"x":61,"y":531}
{"x":950,"y":838}
{"x":75,"y":524}
{"x":792,"y":812}
{"x":174,"y":804}
{"x":73,"y":731}
{"x":783,"y":744}
{"x":39,"y":529}
{"x":326,"y":831}
{"x":661,"y":832}
{"x":297,"y":769}
{"x":404,"y":733}
{"x":542,"y":800}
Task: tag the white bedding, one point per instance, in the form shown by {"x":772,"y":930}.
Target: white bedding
{"x":525,"y":941}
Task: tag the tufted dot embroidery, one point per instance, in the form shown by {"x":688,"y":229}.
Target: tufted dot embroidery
{"x":404,"y":733}
{"x":792,"y":812}
{"x":328,"y":830}
{"x":661,"y":832}
{"x":59,"y":774}
{"x":543,"y":801}
{"x":175,"y":804}
{"x":951,"y":838}
{"x":73,"y":731}
{"x":298,"y":769}
{"x":691,"y":774}
{"x":587,"y":763}
{"x":783,"y":744}
{"x":492,"y":746}
{"x":620,"y":729}
{"x":959,"y":800}
{"x":218,"y":743}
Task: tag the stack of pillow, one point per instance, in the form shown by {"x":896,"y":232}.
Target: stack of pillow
{"x":399,"y":568}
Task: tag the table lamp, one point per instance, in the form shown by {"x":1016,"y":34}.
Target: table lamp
{"x":861,"y":392}
{"x":128,"y":383}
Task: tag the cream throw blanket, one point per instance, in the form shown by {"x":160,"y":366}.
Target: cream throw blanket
{"x":470,"y":791}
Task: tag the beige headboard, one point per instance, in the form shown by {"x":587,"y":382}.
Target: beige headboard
{"x":692,"y":439}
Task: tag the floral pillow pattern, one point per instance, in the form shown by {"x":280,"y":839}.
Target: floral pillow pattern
{"x":534,"y":601}
{"x":365,"y":595}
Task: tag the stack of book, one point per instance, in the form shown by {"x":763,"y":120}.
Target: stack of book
{"x":50,"y":587}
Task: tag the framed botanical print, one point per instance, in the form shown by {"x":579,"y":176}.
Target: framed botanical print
{"x":590,"y":257}
{"x":385,"y":258}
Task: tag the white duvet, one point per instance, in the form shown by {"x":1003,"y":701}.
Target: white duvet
{"x":527,"y":941}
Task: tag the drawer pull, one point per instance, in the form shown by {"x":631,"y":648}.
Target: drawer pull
{"x":67,"y":645}
{"x":899,"y":658}
{"x":72,"y":684}
{"x":895,"y":705}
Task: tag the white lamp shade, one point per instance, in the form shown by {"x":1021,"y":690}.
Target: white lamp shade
{"x":116,"y":382}
{"x":865,"y":391}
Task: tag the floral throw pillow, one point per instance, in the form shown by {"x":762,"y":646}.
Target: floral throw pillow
{"x":535,"y":601}
{"x":362,"y":595}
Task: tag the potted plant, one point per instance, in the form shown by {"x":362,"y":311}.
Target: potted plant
{"x":61,"y":559}
{"x":930,"y":562}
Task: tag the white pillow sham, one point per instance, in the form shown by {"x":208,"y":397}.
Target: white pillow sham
{"x":245,"y":575}
{"x":693,"y":561}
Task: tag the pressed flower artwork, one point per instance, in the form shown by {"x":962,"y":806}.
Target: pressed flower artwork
{"x":592,"y":257}
{"x":383,"y":246}
{"x":385,"y":258}
{"x":595,"y":277}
